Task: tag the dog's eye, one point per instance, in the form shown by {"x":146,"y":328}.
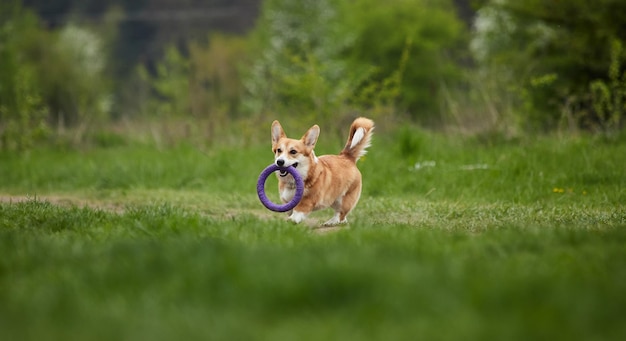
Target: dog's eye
{"x":293,"y":152}
{"x":279,"y":150}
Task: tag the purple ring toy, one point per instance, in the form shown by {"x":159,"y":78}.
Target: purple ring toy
{"x":260,"y":189}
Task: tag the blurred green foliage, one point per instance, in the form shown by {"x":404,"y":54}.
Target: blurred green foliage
{"x":201,"y":87}
{"x":516,"y":67}
{"x":22,"y":111}
{"x":550,"y":53}
{"x":170,"y":83}
{"x":609,"y":95}
{"x":48,"y":79}
{"x":328,"y":58}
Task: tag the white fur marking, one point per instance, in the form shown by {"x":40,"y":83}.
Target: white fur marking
{"x":297,"y":217}
{"x":333,"y":221}
{"x":358,"y":136}
{"x":287,"y":194}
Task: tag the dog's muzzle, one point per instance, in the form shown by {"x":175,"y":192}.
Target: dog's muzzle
{"x":283,"y":173}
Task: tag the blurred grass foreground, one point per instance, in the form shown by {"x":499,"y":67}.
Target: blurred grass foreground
{"x":452,"y":239}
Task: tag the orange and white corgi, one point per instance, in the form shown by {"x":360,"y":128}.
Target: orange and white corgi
{"x":329,"y":180}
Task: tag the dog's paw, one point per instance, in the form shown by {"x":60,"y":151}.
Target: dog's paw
{"x":334,"y":221}
{"x":297,"y":217}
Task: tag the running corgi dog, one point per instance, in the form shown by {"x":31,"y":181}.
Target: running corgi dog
{"x":329,"y":180}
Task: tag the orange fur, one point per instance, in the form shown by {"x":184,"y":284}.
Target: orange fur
{"x":330,"y":180}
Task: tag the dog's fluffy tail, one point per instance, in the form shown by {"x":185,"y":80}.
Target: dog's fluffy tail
{"x":359,"y":139}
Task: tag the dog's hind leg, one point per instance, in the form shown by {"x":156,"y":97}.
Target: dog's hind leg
{"x":337,"y":218}
{"x":334,"y":220}
{"x":348,"y":202}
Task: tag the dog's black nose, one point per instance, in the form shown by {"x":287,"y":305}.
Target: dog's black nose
{"x":280,"y":162}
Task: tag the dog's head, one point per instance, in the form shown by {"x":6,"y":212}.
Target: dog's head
{"x":292,"y":152}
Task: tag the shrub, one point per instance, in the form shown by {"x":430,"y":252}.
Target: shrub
{"x":199,"y":83}
{"x":428,"y":33}
{"x":48,"y":78}
{"x":169,"y":85}
{"x":22,"y":112}
{"x":72,"y":77}
{"x":551,"y":53}
{"x":608,"y":96}
{"x":215,"y":78}
{"x":324,"y":58}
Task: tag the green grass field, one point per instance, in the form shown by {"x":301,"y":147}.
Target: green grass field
{"x":453,"y":239}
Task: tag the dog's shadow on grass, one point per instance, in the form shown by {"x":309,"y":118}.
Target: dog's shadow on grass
{"x":319,"y":228}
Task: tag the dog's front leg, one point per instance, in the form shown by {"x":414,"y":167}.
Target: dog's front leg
{"x":300,"y":212}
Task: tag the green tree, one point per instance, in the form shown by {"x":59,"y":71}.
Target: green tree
{"x":72,"y":76}
{"x":48,"y":78}
{"x":323,"y":57}
{"x":550,"y":52}
{"x":428,"y":31}
{"x":22,"y":112}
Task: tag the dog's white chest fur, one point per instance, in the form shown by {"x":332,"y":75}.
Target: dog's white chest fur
{"x":287,"y":193}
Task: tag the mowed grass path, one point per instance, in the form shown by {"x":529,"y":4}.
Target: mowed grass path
{"x":453,"y":239}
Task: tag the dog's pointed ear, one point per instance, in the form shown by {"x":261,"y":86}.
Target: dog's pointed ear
{"x":310,"y":137}
{"x":277,"y":132}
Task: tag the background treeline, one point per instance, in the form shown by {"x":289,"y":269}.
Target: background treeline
{"x":85,"y":71}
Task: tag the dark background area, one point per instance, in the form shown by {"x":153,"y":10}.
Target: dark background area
{"x":145,"y":27}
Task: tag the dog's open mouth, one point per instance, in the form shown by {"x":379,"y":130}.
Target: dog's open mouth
{"x":283,"y":172}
